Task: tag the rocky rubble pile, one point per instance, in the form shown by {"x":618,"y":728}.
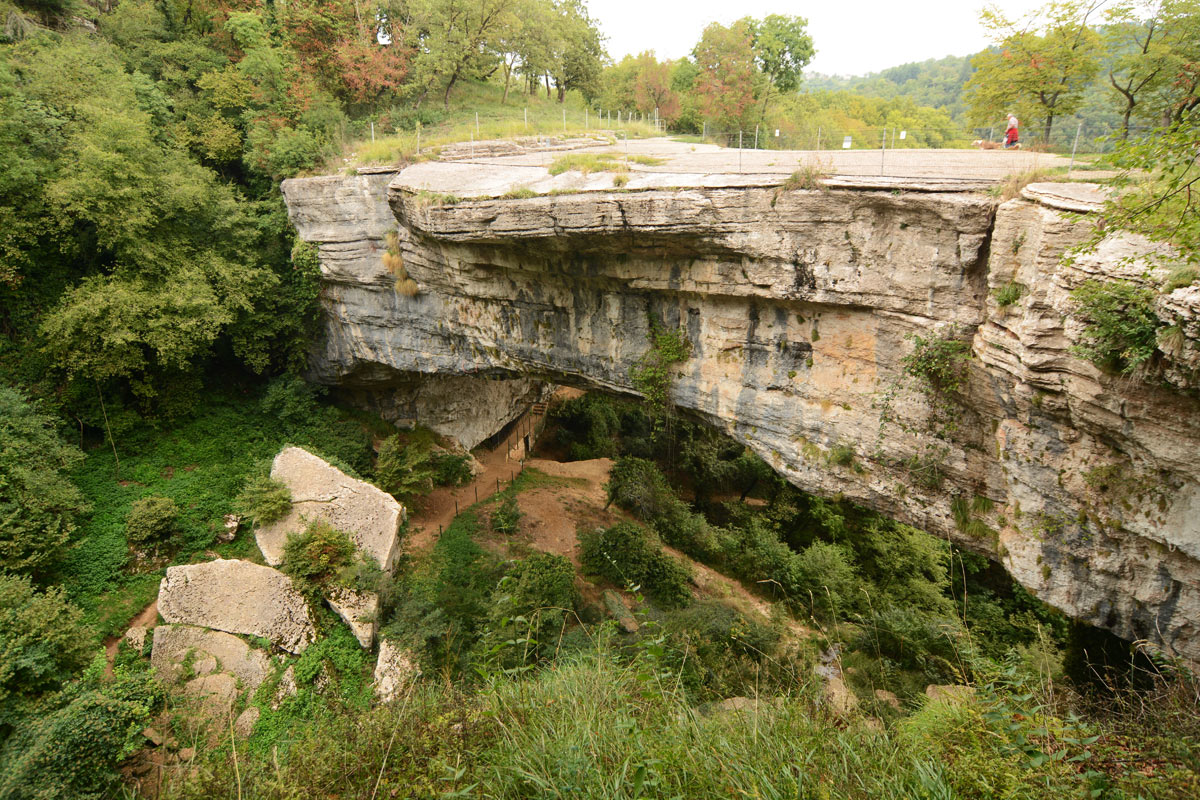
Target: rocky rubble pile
{"x":207,"y":607}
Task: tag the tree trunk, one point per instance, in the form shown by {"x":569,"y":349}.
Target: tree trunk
{"x":562,"y":93}
{"x":449,"y":86}
{"x":507,"y":78}
{"x":766,"y":97}
{"x":1049,"y":126}
{"x":547,"y":85}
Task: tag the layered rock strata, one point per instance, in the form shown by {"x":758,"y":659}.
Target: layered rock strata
{"x":800,"y":307}
{"x":351,"y":219}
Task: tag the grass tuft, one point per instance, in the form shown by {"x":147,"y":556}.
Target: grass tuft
{"x":587,"y":162}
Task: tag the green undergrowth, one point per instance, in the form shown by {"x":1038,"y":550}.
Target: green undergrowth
{"x":604,"y":724}
{"x":200,"y":463}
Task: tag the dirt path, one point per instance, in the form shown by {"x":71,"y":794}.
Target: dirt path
{"x":438,"y":508}
{"x":552,"y":514}
{"x":145,"y":618}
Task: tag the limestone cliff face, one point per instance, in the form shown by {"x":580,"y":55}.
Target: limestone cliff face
{"x":799,"y":306}
{"x":350,"y":219}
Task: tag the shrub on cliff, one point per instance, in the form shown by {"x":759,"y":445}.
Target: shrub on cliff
{"x":317,"y":556}
{"x":1120,"y":326}
{"x":264,"y":500}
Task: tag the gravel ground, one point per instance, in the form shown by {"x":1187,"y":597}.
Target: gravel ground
{"x":682,"y":157}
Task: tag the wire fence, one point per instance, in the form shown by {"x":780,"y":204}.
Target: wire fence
{"x":695,"y":160}
{"x":645,"y":143}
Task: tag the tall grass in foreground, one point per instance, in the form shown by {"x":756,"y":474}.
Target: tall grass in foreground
{"x":598,"y":726}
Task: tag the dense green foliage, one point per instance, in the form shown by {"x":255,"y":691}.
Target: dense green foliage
{"x":39,"y":503}
{"x":264,"y":500}
{"x":1120,"y":324}
{"x":404,"y":470}
{"x":506,"y":518}
{"x":74,"y":749}
{"x":605,"y":725}
{"x":41,"y":644}
{"x":531,"y":608}
{"x":152,"y":520}
{"x":316,"y":556}
{"x":442,"y":609}
{"x":202,"y":464}
{"x":936,"y":83}
{"x":653,"y":374}
{"x":825,"y":559}
{"x":627,"y":556}
{"x":150,"y":287}
{"x":451,"y":469}
{"x":1160,"y":176}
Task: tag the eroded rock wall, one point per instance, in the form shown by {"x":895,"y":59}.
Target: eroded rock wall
{"x":800,"y":306}
{"x":350,"y":219}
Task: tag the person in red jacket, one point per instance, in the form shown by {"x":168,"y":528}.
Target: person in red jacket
{"x":1011,"y":137}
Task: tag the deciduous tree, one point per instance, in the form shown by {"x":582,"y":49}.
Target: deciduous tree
{"x":1136,"y":40}
{"x":726,"y":83}
{"x":782,"y":49}
{"x":652,"y":87}
{"x":38,"y":502}
{"x":456,"y":39}
{"x":1041,"y":63}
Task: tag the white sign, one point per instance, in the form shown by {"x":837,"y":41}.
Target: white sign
{"x":903,"y":134}
{"x":846,"y":143}
{"x":777,"y":131}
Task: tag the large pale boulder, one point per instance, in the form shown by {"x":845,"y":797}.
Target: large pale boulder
{"x":173,"y":643}
{"x":394,"y":671}
{"x":237,"y":597}
{"x":371,"y":516}
{"x":359,"y":610}
{"x":216,"y":693}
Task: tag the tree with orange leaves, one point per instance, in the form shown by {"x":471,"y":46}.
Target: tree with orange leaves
{"x":652,"y":87}
{"x":727,"y":80}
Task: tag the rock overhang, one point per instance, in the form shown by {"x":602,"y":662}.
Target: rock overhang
{"x":800,"y":306}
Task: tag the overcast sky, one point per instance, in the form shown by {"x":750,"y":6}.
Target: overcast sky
{"x":852,"y":37}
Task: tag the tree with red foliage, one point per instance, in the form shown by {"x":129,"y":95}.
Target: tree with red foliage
{"x":726,"y":83}
{"x":652,"y":87}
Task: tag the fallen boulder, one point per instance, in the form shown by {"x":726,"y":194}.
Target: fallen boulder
{"x":371,"y":516}
{"x":394,"y":671}
{"x":244,"y":725}
{"x":615,"y":605}
{"x":216,"y":693}
{"x":135,"y":637}
{"x":173,"y":643}
{"x":954,"y":694}
{"x":237,"y":597}
{"x":360,"y":610}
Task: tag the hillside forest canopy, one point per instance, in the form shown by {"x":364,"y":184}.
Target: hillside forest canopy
{"x":157,"y":311}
